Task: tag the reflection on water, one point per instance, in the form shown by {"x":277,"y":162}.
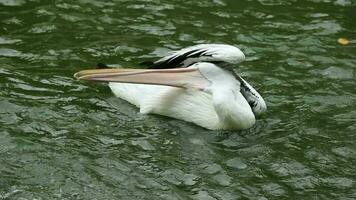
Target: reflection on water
{"x":64,"y":139}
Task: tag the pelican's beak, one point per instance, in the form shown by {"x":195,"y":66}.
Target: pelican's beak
{"x":177,"y":77}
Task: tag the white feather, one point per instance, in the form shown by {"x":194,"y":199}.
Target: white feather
{"x":188,"y":105}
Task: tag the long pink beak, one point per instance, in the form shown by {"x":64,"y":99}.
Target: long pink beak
{"x":177,"y":77}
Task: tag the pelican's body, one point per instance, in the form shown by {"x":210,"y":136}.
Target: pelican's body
{"x":192,"y":105}
{"x":209,"y":96}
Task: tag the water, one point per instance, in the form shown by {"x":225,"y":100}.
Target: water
{"x":65,"y":139}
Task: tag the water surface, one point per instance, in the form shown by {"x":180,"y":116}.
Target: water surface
{"x":65,"y":139}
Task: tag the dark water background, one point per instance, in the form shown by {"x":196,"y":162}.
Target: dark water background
{"x":65,"y":139}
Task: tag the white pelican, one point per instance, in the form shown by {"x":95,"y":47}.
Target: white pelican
{"x":195,"y":84}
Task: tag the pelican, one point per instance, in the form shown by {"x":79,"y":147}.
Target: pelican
{"x":195,"y":84}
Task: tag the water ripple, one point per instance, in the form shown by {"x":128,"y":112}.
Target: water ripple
{"x":66,"y":139}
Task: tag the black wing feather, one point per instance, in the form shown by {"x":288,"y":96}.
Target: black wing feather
{"x":177,"y":61}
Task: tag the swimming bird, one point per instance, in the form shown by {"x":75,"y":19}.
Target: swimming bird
{"x":196,"y":84}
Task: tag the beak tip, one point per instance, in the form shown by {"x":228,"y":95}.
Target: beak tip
{"x":76,"y":75}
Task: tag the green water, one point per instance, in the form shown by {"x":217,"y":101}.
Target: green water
{"x":65,"y":139}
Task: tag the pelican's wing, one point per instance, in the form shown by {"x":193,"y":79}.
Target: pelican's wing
{"x":200,"y":53}
{"x":254,"y":99}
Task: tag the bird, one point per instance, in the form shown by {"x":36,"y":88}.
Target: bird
{"x":196,"y":84}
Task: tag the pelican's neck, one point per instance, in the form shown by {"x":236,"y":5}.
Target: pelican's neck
{"x":232,"y":109}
